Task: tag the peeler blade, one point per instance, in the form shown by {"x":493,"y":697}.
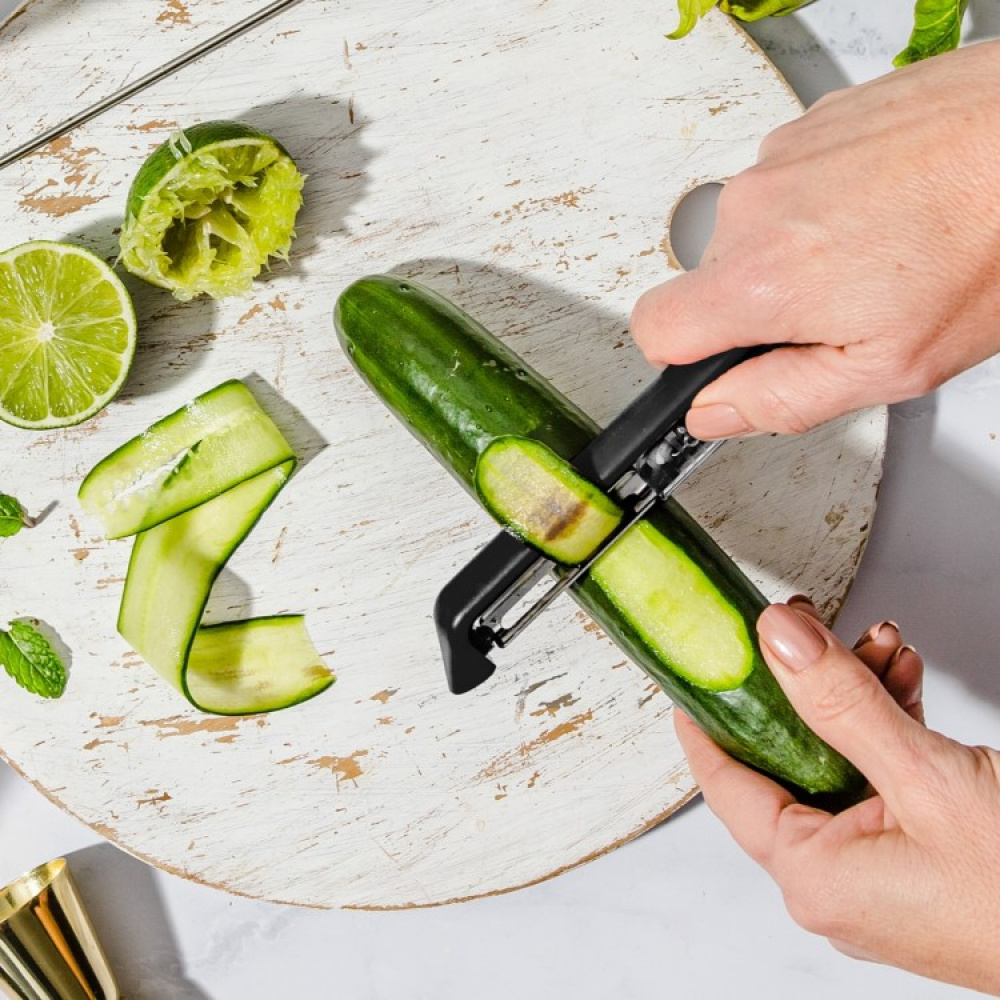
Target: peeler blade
{"x":647,"y":440}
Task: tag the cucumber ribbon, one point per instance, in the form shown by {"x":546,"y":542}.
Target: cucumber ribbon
{"x":190,"y":489}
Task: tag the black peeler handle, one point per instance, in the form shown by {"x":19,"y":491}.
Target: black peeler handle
{"x":656,"y":410}
{"x":505,"y":559}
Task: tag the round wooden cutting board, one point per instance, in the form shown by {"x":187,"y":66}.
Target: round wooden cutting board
{"x":522,"y":158}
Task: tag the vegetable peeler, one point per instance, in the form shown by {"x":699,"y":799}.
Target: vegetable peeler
{"x":641,"y":457}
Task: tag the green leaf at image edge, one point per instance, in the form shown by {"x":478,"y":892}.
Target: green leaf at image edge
{"x":29,"y":658}
{"x":937,"y":28}
{"x":11,"y":516}
{"x":691,"y":11}
{"x":754,"y":10}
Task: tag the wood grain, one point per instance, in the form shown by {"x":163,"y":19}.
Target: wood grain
{"x":523,"y":159}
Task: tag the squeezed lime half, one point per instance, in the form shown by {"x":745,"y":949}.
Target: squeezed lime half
{"x":208,"y":209}
{"x":67,"y":335}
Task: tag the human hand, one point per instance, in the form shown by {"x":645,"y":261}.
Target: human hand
{"x":866,"y":237}
{"x":908,"y":876}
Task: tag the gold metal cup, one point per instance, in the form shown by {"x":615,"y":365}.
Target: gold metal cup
{"x":48,"y":949}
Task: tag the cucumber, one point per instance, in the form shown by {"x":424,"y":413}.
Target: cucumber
{"x":653,"y":582}
{"x":202,"y":477}
{"x":526,"y":486}
{"x":203,"y":449}
{"x":457,"y":388}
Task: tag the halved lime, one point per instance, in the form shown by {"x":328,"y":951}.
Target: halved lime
{"x":208,"y":208}
{"x":67,"y":335}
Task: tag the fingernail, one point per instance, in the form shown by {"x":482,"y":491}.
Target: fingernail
{"x":793,"y":637}
{"x":800,"y":599}
{"x":906,"y":652}
{"x":716,"y":420}
{"x":874,"y":632}
{"x":899,"y":654}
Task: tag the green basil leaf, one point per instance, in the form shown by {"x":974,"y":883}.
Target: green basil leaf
{"x":27,"y":656}
{"x":937,"y":27}
{"x":754,"y":10}
{"x":691,"y":11}
{"x":11,"y":516}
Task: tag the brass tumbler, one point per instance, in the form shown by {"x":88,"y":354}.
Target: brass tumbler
{"x":48,"y":949}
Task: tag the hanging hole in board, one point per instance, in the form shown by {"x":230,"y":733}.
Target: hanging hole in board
{"x":691,"y":224}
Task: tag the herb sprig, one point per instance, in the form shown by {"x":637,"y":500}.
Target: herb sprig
{"x":937,"y":24}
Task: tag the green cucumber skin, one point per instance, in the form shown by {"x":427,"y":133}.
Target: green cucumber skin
{"x":202,"y":134}
{"x":447,"y":378}
{"x":754,"y":722}
{"x":408,"y":343}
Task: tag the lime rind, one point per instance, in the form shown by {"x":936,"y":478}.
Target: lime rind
{"x":208,"y":210}
{"x":67,"y":335}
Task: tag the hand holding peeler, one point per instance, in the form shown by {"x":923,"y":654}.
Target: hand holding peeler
{"x":641,"y":457}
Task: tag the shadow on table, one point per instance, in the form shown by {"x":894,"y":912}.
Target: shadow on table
{"x":128,"y":914}
{"x":936,"y":542}
{"x":7,"y":776}
{"x":802,"y":59}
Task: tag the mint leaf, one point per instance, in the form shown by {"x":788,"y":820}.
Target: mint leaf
{"x":937,"y":27}
{"x":690,"y":11}
{"x":12,"y":516}
{"x":754,"y":10}
{"x":27,"y":656}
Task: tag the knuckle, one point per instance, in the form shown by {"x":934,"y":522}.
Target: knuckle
{"x":831,"y":97}
{"x":776,"y":140}
{"x":643,"y":322}
{"x":779,"y":413}
{"x":822,"y":897}
{"x":842,"y":694}
{"x":948,"y":784}
{"x":816,"y":908}
{"x":922,"y":375}
{"x":739,"y":195}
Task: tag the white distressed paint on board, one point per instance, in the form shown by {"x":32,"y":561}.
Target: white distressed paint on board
{"x":523,"y":159}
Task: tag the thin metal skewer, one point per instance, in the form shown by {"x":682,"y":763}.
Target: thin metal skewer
{"x":227,"y":35}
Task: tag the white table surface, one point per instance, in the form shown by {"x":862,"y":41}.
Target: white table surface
{"x":656,"y":917}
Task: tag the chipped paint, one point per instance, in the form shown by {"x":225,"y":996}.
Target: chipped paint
{"x":343,"y":768}
{"x":174,"y":14}
{"x":57,"y":206}
{"x":154,"y":797}
{"x":550,"y":708}
{"x":278,"y":545}
{"x":107,"y":721}
{"x":531,"y":206}
{"x":156,"y":125}
{"x":384,"y":696}
{"x":510,"y":761}
{"x":835,"y":516}
{"x":250,"y":313}
{"x":78,"y":187}
{"x":185,"y":725}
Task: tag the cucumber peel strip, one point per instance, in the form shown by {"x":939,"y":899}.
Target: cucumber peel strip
{"x":185,"y":486}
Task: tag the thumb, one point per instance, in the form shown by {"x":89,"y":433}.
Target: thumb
{"x":787,"y":391}
{"x":843,"y":701}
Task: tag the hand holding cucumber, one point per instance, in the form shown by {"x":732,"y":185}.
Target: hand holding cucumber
{"x":908,"y":876}
{"x":865,"y":237}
